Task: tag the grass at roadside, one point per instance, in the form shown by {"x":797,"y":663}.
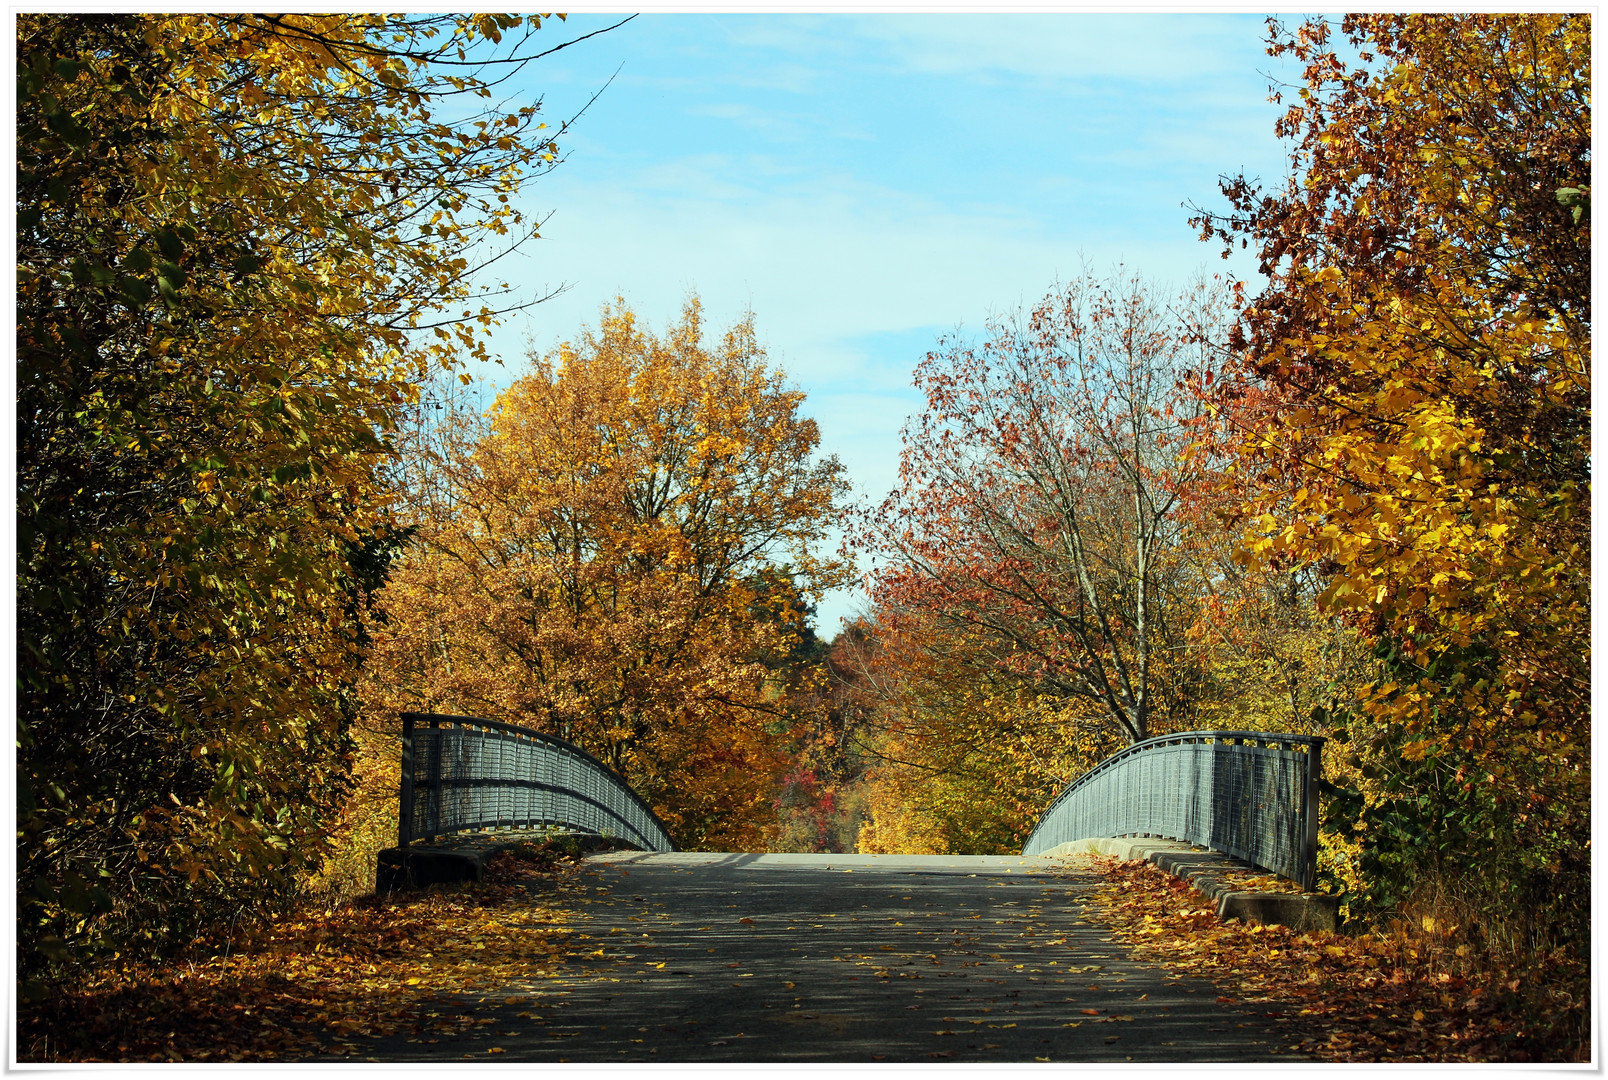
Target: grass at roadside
{"x":311,"y":982}
{"x":1411,"y":995}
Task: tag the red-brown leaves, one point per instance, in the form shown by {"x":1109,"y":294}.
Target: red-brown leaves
{"x":1040,"y":509}
{"x":1346,"y":998}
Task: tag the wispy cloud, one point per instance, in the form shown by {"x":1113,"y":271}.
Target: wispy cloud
{"x":864,"y":183}
{"x":1064,"y":47}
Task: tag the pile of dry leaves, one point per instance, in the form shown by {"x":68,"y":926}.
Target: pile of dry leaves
{"x":1402,"y":997}
{"x":308,"y":984}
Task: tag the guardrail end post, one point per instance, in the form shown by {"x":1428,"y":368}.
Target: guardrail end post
{"x":433,"y":808}
{"x":404,"y":824}
{"x":1314,"y":775}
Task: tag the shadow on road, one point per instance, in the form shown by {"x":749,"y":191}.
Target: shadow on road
{"x":738,"y":957}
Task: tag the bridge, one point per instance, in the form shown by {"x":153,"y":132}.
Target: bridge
{"x":744,"y":957}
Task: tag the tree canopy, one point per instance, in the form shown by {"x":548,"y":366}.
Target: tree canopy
{"x":242,"y":242}
{"x":620,"y":552}
{"x":1413,"y":419}
{"x":1044,"y":492}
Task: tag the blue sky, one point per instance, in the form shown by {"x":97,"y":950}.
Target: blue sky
{"x":866,"y":183}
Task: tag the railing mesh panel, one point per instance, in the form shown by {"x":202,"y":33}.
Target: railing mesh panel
{"x":460,"y":773}
{"x":1252,"y":795}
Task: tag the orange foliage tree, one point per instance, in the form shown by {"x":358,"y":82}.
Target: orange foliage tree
{"x":1040,"y":517}
{"x":616,"y":553}
{"x":964,"y":755}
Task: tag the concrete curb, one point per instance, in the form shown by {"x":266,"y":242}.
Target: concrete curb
{"x":1207,"y":871}
{"x":465,"y":858}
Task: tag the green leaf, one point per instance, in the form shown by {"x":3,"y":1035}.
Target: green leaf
{"x":1577,"y":199}
{"x":72,"y":132}
{"x":171,"y":273}
{"x":136,"y":290}
{"x":170,"y":244}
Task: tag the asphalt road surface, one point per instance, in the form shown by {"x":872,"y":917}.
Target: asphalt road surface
{"x":900,"y":958}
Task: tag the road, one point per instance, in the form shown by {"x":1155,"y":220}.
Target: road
{"x":712,"y":957}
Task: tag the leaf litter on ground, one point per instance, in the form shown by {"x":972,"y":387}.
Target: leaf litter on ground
{"x":1363,"y":998}
{"x":314,"y":981}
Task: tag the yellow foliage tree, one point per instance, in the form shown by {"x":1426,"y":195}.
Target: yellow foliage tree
{"x":612,"y":554}
{"x":241,"y":243}
{"x":967,"y":757}
{"x":1267,"y":658}
{"x":1416,"y":408}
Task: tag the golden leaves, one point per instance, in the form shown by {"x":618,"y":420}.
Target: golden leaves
{"x":1355,"y":996}
{"x":229,"y":210}
{"x":1418,"y":373}
{"x":310,"y":981}
{"x":623,"y":542}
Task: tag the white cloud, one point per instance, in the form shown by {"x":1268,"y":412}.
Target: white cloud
{"x":1083,"y":135}
{"x":1060,"y":47}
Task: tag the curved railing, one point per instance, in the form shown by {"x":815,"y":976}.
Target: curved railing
{"x":461,"y":773}
{"x":1251,"y":794}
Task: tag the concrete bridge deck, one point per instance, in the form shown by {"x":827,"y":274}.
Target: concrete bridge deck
{"x":725,"y":957}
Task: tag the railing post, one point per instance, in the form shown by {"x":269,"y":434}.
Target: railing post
{"x":432,"y":817}
{"x":404,"y":825}
{"x":1310,"y":811}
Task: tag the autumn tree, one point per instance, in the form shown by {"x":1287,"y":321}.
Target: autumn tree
{"x":1415,"y":409}
{"x":1038,"y":515}
{"x":619,"y":552}
{"x":962,"y":756}
{"x":242,"y":241}
{"x":1266,"y":657}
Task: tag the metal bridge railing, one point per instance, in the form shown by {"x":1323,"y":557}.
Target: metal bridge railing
{"x":1251,"y":794}
{"x":461,"y":773}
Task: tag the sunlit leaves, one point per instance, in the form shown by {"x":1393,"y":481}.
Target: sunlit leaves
{"x":618,"y":552}
{"x":1040,"y":509}
{"x":1415,"y":411}
{"x":966,"y":757}
{"x":219,"y":291}
{"x":315,"y":979}
{"x":1412,"y":993}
